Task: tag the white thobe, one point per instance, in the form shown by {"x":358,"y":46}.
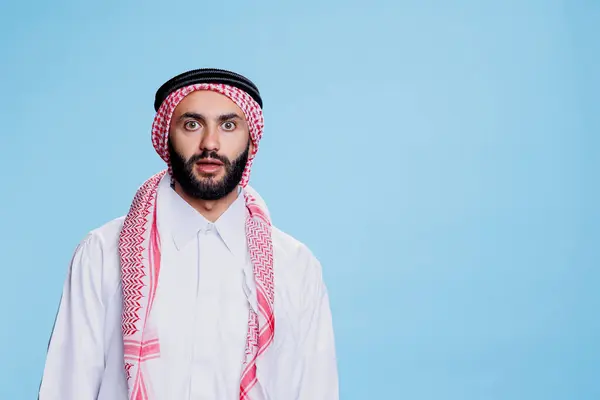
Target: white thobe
{"x":201,"y":313}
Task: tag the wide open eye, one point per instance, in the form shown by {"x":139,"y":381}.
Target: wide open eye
{"x":192,"y":125}
{"x":228,"y":125}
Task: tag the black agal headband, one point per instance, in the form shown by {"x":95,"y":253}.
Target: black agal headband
{"x":206,"y":75}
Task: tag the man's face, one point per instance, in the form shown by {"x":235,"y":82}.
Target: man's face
{"x":209,"y":145}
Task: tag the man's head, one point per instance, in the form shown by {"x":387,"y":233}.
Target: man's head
{"x":209,"y":145}
{"x":207,"y":128}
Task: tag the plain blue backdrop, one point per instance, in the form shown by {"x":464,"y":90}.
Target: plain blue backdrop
{"x":440,"y":158}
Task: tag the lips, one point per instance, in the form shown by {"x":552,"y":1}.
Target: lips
{"x":208,"y":165}
{"x":209,"y":162}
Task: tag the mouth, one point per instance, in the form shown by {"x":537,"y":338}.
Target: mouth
{"x":208,"y":166}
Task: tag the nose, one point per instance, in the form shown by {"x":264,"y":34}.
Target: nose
{"x":210,"y":139}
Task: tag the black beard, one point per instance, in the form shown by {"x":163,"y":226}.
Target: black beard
{"x":207,"y":188}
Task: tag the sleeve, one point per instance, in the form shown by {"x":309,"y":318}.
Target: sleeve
{"x":75,"y":357}
{"x":319,"y":371}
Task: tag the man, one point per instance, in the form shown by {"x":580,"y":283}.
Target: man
{"x":194,"y":294}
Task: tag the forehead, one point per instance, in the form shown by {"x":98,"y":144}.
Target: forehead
{"x":207,"y":103}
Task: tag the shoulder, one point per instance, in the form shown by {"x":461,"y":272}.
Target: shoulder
{"x":291,"y":248}
{"x":95,"y":262}
{"x":102,"y":241}
{"x":106,"y":236}
{"x":112,"y":227}
{"x":299,"y":284}
{"x":295,"y":260}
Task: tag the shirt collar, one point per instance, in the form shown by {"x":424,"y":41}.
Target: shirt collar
{"x":183,"y":222}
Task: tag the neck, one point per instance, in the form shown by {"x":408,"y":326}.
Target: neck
{"x":210,"y":209}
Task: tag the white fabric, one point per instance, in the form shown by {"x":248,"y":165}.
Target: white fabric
{"x":202,"y":314}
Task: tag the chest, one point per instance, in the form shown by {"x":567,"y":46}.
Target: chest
{"x":201,"y":283}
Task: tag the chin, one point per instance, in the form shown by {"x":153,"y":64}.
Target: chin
{"x":215,"y":178}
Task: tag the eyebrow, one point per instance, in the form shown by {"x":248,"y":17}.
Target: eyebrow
{"x":220,"y":118}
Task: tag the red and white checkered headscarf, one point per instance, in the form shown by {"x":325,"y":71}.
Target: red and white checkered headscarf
{"x":139,"y":251}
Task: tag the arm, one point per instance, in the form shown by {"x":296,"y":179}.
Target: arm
{"x":319,"y":371}
{"x":75,"y":358}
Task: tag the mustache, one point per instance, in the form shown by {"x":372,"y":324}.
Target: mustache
{"x":208,"y":155}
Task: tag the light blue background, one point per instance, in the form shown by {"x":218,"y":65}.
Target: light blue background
{"x":440,"y":158}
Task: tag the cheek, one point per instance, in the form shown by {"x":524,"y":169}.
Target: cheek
{"x":185,"y":145}
{"x":234,"y":145}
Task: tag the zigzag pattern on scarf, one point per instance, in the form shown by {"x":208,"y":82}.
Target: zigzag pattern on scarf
{"x":131,"y":251}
